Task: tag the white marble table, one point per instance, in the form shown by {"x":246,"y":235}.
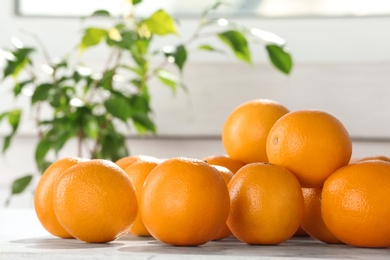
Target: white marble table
{"x":21,"y":237}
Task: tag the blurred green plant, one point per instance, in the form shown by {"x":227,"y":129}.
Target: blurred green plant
{"x":88,"y":106}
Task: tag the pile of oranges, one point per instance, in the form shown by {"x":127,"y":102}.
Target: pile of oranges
{"x":283,"y":172}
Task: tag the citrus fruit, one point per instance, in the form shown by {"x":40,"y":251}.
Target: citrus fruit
{"x":375,"y":157}
{"x":129,"y":160}
{"x":184,"y":202}
{"x":227,"y":176}
{"x":43,"y":196}
{"x":245,"y":130}
{"x":312,"y":221}
{"x":266,"y":204}
{"x":95,"y":201}
{"x":312,"y":144}
{"x":356,"y":204}
{"x":222,"y":160}
{"x":138,"y":172}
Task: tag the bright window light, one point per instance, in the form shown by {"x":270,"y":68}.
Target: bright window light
{"x":264,"y":8}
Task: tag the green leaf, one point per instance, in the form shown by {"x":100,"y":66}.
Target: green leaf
{"x":135,"y":2}
{"x":7,"y":142}
{"x":280,"y":58}
{"x":101,"y":13}
{"x":168,"y":79}
{"x":41,"y":150}
{"x":206,"y":47}
{"x":143,"y":123}
{"x":178,"y":55}
{"x":18,"y":87}
{"x":126,"y":42}
{"x":91,"y":127}
{"x":161,"y":23}
{"x":118,"y":106}
{"x":92,"y":37}
{"x":106,"y":81}
{"x":20,"y":58}
{"x":113,"y":145}
{"x":238,"y":44}
{"x":20,"y":184}
{"x":14,"y":119}
{"x":41,"y":93}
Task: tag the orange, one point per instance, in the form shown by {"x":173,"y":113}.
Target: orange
{"x":138,"y":172}
{"x":129,"y":160}
{"x":266,"y":204}
{"x":376,"y":157}
{"x":312,"y":221}
{"x":184,"y":202}
{"x":245,"y":130}
{"x":222,"y":160}
{"x":312,"y":144}
{"x":43,"y":196}
{"x":95,"y":201}
{"x":227,"y":176}
{"x":356,"y":204}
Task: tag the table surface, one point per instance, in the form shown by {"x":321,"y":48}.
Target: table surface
{"x":22,"y":237}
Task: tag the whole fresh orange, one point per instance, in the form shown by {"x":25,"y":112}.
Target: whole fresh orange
{"x":95,"y":201}
{"x":43,"y":196}
{"x":223,"y":160}
{"x":356,"y":204}
{"x":245,"y":130}
{"x":312,"y":144}
{"x":266,"y":204}
{"x":312,"y":221}
{"x":129,"y":160}
{"x":227,"y":176}
{"x":138,"y":172}
{"x":184,"y":202}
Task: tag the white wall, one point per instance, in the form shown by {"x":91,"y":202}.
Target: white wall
{"x":341,"y":66}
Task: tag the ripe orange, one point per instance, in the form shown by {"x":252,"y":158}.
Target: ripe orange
{"x":266,"y":204}
{"x":227,"y":176}
{"x":43,"y":196}
{"x":312,"y":221}
{"x":356,"y":204}
{"x":245,"y":131}
{"x":375,"y":157}
{"x":312,"y":144}
{"x":95,"y":201}
{"x":138,"y":172}
{"x":129,"y":160}
{"x":222,"y":160}
{"x":184,"y":202}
